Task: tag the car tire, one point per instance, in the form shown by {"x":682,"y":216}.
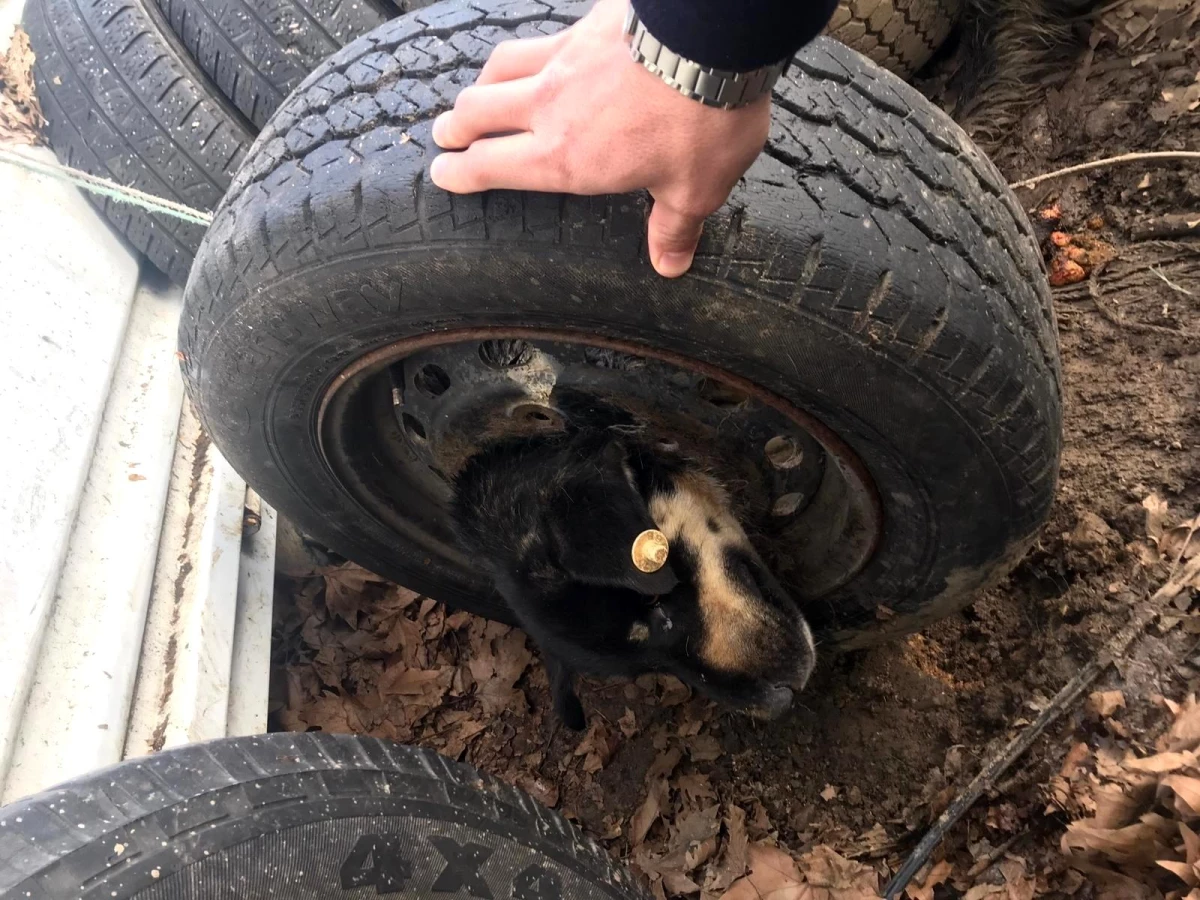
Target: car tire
{"x":871,"y":268}
{"x":307,"y":816}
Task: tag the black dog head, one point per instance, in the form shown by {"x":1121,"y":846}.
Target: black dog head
{"x":554,"y":519}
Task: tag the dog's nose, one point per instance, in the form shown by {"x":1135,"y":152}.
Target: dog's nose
{"x":776,"y":700}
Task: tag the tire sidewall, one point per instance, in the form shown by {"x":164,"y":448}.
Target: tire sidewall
{"x":261,"y":397}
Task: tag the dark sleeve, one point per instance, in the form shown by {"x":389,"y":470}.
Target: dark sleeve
{"x":736,"y":35}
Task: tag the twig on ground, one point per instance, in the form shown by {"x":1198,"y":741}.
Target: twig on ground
{"x":1139,"y":327}
{"x":1193,"y":525}
{"x":1004,"y":757}
{"x":1105,"y":163}
{"x":984,"y":862}
{"x":1165,"y":226}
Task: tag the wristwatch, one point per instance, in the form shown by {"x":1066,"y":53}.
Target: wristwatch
{"x":712,"y":87}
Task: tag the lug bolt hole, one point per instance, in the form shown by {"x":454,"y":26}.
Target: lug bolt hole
{"x":783,"y":453}
{"x":432,"y":380}
{"x":413,"y":426}
{"x":786,"y":505}
{"x":720,"y":394}
{"x":505,"y":354}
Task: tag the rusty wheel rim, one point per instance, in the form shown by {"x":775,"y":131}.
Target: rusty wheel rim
{"x":396,"y":424}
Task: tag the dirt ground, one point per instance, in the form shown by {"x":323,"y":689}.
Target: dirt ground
{"x":827,"y":803}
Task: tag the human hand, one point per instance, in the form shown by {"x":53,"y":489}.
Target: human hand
{"x":576,"y":114}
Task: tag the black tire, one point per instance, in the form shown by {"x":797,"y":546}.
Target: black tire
{"x":257,"y":51}
{"x":900,"y":35}
{"x":124,"y":101}
{"x":303,"y":816}
{"x":871,"y":268}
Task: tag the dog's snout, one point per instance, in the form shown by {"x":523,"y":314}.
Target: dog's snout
{"x":776,"y":700}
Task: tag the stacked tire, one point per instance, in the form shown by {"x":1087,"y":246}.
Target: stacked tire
{"x":168,"y":95}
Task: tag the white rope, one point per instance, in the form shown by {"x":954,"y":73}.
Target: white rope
{"x":106,"y":188}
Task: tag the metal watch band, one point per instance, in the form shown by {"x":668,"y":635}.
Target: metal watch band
{"x":712,"y":87}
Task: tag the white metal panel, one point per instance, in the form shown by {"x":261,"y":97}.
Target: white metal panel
{"x":182,"y":692}
{"x":75,"y":717}
{"x":65,"y":297}
{"x":250,"y":684}
{"x":10,"y":15}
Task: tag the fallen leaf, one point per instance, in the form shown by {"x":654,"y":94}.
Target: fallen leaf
{"x":679,"y":884}
{"x":1140,"y":844}
{"x":773,"y":876}
{"x":979,"y":891}
{"x":1177,"y":102}
{"x":1118,"y":805}
{"x":674,"y":691}
{"x":664,"y":764}
{"x":405,"y":682}
{"x":1017,"y":883}
{"x":345,"y":591}
{"x":1181,"y":542}
{"x":1184,"y":733}
{"x":829,"y":792}
{"x":498,"y":666}
{"x":1186,"y":790}
{"x":843,"y":879}
{"x":704,"y":748}
{"x":21,"y":117}
{"x":758,"y":825}
{"x":1061,"y":788}
{"x":939,"y":873}
{"x":598,"y":745}
{"x":643,"y":820}
{"x":733,"y":862}
{"x":696,"y":788}
{"x":628,"y":723}
{"x":1112,"y":885}
{"x":1103,"y":704}
{"x":1156,"y":512}
{"x":1161,"y":763}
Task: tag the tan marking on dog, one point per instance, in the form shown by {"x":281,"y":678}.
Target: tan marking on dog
{"x":731,"y":618}
{"x":639,"y":633}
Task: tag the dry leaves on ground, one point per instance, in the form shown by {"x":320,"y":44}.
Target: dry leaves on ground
{"x":20,"y":115}
{"x":1160,"y":25}
{"x":820,"y":874}
{"x":1144,"y":809}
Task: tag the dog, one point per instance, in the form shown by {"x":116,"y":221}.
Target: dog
{"x":555,"y":519}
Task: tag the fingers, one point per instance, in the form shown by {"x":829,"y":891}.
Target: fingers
{"x":519,"y":58}
{"x":482,"y":111}
{"x":672,"y":239}
{"x":516,"y":162}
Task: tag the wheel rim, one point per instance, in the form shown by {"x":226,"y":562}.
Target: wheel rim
{"x":397,"y":424}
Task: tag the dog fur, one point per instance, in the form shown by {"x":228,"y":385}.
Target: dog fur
{"x":553,"y":518}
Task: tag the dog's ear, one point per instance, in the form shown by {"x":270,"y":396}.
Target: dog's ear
{"x":593,"y":522}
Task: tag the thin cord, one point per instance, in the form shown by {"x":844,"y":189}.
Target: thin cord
{"x":106,"y":188}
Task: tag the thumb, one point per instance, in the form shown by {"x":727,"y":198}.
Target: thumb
{"x":673,"y":239}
